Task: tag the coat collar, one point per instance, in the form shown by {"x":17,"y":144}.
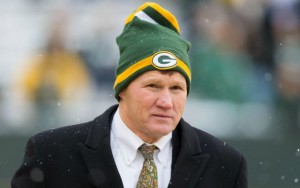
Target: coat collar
{"x":190,"y":162}
{"x":100,"y":128}
{"x":97,"y":154}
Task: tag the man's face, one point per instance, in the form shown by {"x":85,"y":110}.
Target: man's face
{"x":152,"y":105}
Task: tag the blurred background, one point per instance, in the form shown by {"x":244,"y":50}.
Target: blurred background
{"x":58,"y":59}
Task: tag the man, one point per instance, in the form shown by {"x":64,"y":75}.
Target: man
{"x":143,"y":141}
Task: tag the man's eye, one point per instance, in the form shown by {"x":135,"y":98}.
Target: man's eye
{"x":152,"y":85}
{"x":176,"y":88}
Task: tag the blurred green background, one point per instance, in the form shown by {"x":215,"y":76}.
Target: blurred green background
{"x":58,"y":59}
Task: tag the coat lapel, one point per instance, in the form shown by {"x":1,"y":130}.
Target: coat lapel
{"x":97,"y":154}
{"x":190,"y":162}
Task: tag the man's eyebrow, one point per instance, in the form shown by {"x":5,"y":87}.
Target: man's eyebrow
{"x":152,"y":79}
{"x":178,"y":81}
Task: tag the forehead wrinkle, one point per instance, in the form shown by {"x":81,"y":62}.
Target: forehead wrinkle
{"x":158,"y":77}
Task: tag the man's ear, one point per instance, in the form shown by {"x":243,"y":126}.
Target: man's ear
{"x":121,"y":95}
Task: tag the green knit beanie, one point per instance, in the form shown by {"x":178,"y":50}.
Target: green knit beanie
{"x":150,"y":41}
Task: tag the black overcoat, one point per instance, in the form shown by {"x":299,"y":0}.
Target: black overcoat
{"x":79,"y":156}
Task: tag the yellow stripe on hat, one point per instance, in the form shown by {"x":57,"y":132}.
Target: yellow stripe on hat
{"x":144,"y":63}
{"x":166,"y":14}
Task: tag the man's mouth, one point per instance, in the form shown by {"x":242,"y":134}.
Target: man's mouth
{"x":162,"y":116}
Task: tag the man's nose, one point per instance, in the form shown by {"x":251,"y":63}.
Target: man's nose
{"x":165,"y":99}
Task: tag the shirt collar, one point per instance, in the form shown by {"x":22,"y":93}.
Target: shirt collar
{"x":165,"y":149}
{"x":129,"y":142}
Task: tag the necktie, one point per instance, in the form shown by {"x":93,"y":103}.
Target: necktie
{"x":148,"y":175}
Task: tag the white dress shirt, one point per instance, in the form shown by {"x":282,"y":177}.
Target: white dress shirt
{"x":129,"y":160}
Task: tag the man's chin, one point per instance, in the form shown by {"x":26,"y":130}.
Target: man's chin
{"x":163,"y":131}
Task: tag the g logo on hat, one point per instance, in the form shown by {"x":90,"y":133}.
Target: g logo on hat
{"x":164,"y":60}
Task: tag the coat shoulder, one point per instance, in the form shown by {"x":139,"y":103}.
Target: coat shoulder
{"x":66,"y":135}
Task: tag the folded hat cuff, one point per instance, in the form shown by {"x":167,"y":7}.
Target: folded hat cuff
{"x":128,"y":75}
